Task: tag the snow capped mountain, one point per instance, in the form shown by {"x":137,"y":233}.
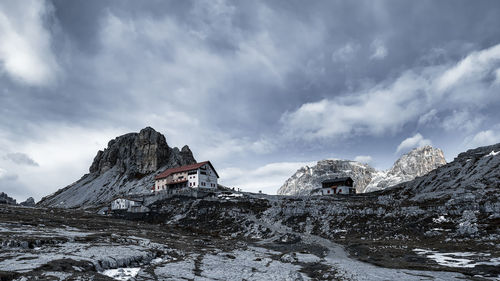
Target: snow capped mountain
{"x":415,"y":163}
{"x":308,"y":178}
{"x":127,"y":165}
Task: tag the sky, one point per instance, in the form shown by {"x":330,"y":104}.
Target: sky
{"x":259,"y":88}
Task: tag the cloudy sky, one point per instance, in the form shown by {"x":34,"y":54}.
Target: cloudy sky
{"x":260,"y":88}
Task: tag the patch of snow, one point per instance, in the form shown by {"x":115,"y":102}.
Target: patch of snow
{"x":492,"y":153}
{"x":440,"y":219}
{"x":122,"y":274}
{"x":457,"y":259}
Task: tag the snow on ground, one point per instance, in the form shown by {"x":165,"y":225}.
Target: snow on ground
{"x":122,"y":274}
{"x":459,"y":259}
{"x":492,"y":153}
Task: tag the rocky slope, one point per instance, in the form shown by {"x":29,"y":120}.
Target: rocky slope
{"x":127,"y":165}
{"x":473,"y":175}
{"x":415,"y":163}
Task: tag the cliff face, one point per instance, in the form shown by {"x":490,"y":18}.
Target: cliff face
{"x":140,"y":154}
{"x":127,"y":165}
{"x":416,"y":163}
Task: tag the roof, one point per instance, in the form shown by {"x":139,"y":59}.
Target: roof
{"x":344,"y":179}
{"x":168,"y":172}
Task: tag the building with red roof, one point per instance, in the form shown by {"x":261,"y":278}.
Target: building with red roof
{"x":201,"y":175}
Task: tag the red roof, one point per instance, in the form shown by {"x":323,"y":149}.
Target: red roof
{"x":186,"y":168}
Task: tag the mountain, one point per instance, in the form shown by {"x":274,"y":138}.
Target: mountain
{"x":473,"y":175}
{"x":439,"y":226}
{"x":415,"y":163}
{"x":127,"y":165}
{"x":6,"y":199}
{"x":308,"y":178}
{"x":30,"y":202}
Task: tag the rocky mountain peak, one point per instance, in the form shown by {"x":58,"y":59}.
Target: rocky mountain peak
{"x":308,"y":178}
{"x":6,"y":199}
{"x":413,"y":164}
{"x":418,"y":162}
{"x":139,"y":154}
{"x":30,"y":202}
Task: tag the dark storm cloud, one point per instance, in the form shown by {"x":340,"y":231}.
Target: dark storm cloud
{"x":246,"y":82}
{"x":408,"y":30}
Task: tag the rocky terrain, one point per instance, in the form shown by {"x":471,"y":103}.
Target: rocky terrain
{"x":413,"y":164}
{"x":61,"y":244}
{"x":127,"y":165}
{"x":444,"y":225}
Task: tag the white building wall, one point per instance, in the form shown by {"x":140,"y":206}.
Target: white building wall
{"x":198,"y":180}
{"x":209,"y":179}
{"x":340,"y":190}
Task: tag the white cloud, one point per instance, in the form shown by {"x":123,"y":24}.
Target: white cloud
{"x":428,"y":117}
{"x":379,"y":51}
{"x":267,"y":178}
{"x":7,"y":176}
{"x":472,"y":68}
{"x":63,"y":156}
{"x":415,"y":96}
{"x":462,"y":121}
{"x":25,"y":51}
{"x":346,"y":52}
{"x":363,"y":159}
{"x":483,"y":138}
{"x":416,"y":141}
{"x":373,"y":112}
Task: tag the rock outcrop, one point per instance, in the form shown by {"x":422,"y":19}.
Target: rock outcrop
{"x":415,"y":163}
{"x":127,"y":165}
{"x":6,"y":199}
{"x":30,"y":202}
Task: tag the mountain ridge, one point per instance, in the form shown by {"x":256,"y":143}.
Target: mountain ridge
{"x":417,"y":162}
